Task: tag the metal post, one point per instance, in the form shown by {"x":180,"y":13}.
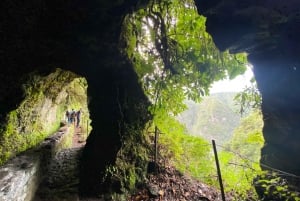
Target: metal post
{"x":155,"y":144}
{"x":218,"y":170}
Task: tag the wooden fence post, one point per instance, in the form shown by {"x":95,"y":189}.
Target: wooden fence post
{"x":218,"y":170}
{"x":156,"y":144}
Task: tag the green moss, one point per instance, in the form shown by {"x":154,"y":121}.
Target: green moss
{"x":131,"y":178}
{"x":131,"y":164}
{"x":68,"y":138}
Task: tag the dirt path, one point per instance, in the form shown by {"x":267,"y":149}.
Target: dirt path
{"x":78,"y":138}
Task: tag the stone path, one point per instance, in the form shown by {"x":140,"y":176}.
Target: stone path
{"x":61,"y":183}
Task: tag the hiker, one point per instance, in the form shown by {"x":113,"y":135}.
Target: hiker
{"x":72,"y":116}
{"x":68,"y":117}
{"x":78,"y":115}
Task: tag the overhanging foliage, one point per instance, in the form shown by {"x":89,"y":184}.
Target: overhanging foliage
{"x":174,"y":56}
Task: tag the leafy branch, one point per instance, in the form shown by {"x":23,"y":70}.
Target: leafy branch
{"x":249,"y":98}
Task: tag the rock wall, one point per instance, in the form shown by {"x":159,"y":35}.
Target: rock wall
{"x":21,"y":176}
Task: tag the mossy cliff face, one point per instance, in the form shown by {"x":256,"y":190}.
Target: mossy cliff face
{"x":46,"y":98}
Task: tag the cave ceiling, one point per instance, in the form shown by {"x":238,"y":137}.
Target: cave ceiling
{"x":256,"y":27}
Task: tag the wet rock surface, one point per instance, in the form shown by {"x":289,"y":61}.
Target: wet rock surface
{"x":19,"y":177}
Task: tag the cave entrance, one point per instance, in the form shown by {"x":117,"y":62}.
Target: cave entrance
{"x":46,"y":98}
{"x":176,"y":59}
{"x":77,"y":114}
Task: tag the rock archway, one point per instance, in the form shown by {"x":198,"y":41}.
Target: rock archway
{"x":84,"y":37}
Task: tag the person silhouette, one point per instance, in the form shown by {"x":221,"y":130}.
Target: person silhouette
{"x":78,"y":116}
{"x":68,"y":117}
{"x":72,"y":116}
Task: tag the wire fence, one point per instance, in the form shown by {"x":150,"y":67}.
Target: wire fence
{"x":256,"y":167}
{"x":225,"y":149}
{"x":284,"y":173}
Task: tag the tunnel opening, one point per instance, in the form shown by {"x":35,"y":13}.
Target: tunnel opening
{"x":46,"y":98}
{"x":37,"y":137}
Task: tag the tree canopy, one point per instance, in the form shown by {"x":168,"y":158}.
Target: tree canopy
{"x":173,"y":55}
